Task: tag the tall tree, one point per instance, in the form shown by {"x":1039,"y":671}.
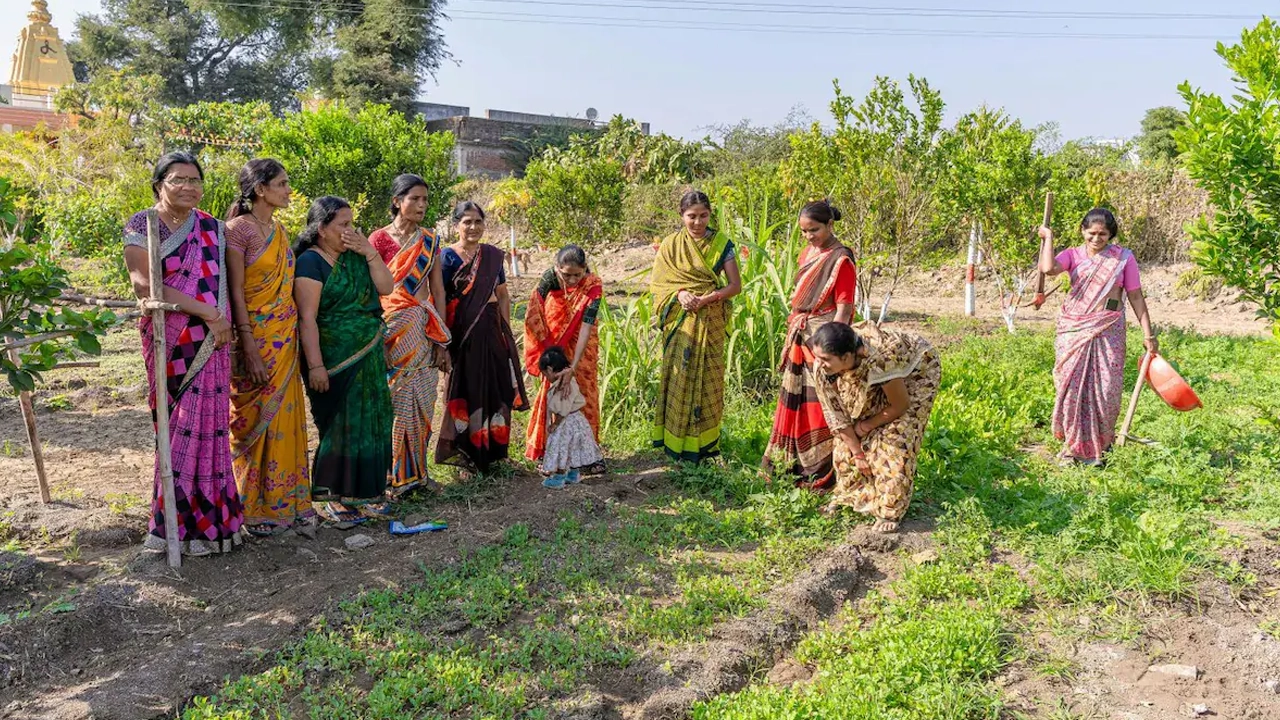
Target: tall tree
{"x":1231,"y":148}
{"x":1156,"y":143}
{"x":219,"y":50}
{"x":385,"y":49}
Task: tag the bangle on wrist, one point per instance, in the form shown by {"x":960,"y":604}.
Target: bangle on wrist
{"x":315,"y":367}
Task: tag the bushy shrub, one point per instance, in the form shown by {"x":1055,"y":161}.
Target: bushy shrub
{"x":575,"y":199}
{"x":355,"y":154}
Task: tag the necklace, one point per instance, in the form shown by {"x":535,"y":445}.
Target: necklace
{"x":266,"y":228}
{"x":174,"y":221}
{"x":401,"y":239}
{"x":331,"y":259}
{"x":466,"y":256}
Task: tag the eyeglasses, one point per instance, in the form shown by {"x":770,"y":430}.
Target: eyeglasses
{"x":193,"y":182}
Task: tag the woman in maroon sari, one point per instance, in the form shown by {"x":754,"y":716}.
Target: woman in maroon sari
{"x":197,"y":371}
{"x":486,"y":383}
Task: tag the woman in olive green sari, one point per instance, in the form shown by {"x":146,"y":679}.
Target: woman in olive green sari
{"x":339,"y":282}
{"x":693,"y":317}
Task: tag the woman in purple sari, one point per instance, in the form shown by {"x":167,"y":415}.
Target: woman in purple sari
{"x":1090,"y":347}
{"x":197,"y":371}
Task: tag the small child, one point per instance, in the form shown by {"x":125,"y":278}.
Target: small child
{"x":570,"y":442}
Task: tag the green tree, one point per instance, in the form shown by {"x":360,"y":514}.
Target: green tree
{"x":118,"y":95}
{"x":198,"y":54}
{"x":880,"y":165}
{"x":644,"y":158}
{"x":1232,"y":151}
{"x":995,"y":180}
{"x":575,"y":199}
{"x":384,"y":52}
{"x":338,"y":150}
{"x":1156,"y":144}
{"x":215,"y":50}
{"x":34,"y":333}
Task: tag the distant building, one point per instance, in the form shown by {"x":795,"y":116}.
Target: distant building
{"x":40,"y":67}
{"x":484,"y":146}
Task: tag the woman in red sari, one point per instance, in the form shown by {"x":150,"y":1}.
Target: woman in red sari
{"x":801,"y":441}
{"x":562,"y":313}
{"x":1090,"y":346}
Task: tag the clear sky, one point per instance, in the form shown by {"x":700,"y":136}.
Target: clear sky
{"x":683,"y":65}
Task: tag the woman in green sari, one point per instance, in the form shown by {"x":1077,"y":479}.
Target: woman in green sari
{"x":693,"y":316}
{"x":339,"y":282}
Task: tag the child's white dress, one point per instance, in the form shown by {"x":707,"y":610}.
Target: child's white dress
{"x":570,"y":442}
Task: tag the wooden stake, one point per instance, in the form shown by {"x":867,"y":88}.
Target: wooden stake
{"x":33,"y":437}
{"x":160,"y":367}
{"x":1133,"y":399}
{"x":1048,"y":218}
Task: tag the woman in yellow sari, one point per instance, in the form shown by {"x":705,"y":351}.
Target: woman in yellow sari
{"x":268,"y":424}
{"x":692,"y":307}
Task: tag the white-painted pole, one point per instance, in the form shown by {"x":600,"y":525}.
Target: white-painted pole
{"x":970,"y":292}
{"x":515,"y":258}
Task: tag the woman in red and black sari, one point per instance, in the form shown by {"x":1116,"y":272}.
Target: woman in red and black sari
{"x":486,"y":382}
{"x":562,"y":313}
{"x":801,"y":441}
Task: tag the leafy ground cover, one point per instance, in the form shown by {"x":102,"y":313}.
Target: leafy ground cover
{"x":531,"y":624}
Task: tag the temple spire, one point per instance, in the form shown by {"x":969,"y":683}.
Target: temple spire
{"x":40,"y":65}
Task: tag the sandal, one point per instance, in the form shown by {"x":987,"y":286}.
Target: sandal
{"x":266,"y":530}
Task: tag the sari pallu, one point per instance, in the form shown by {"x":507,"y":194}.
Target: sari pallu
{"x":486,"y":383}
{"x":197,"y":376}
{"x":556,"y":320}
{"x":1090,"y":349}
{"x":415,"y":334}
{"x":354,"y":416}
{"x":690,"y":403}
{"x":268,"y":422}
{"x":801,"y":441}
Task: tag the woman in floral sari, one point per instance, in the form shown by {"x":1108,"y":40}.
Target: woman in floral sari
{"x":197,"y":372}
{"x":416,"y":332}
{"x":801,"y":442}
{"x":693,"y":317}
{"x":877,"y":388}
{"x":486,"y":383}
{"x":340,"y":280}
{"x":562,"y":313}
{"x":1089,"y":372}
{"x":268,"y":414}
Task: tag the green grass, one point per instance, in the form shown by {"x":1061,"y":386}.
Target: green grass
{"x":514,"y":628}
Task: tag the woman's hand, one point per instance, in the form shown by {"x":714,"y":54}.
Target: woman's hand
{"x":1045,"y":233}
{"x":318,"y":379}
{"x":253,"y":363}
{"x":863,"y":466}
{"x":561,"y":383}
{"x":862,"y":428}
{"x":443,"y":362}
{"x":707,"y":299}
{"x":689,"y":301}
{"x":1151,"y":344}
{"x":355,"y":241}
{"x":220,"y":328}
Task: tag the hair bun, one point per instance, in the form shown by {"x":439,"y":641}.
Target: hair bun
{"x":835,"y":212}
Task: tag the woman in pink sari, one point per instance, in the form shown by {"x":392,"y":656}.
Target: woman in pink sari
{"x":197,"y":371}
{"x":1090,"y":346}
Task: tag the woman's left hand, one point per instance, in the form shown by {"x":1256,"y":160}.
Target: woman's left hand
{"x":864,"y":467}
{"x":1152,"y":345}
{"x":860,"y":429}
{"x":444,"y":363}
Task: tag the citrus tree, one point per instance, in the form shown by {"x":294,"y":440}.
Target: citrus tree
{"x":1232,"y":150}
{"x":994,"y":181}
{"x":880,"y":165}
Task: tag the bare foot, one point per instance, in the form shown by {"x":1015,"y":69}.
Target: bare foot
{"x":885,"y":526}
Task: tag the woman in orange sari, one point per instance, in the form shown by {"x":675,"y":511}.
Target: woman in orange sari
{"x":562,"y":313}
{"x":416,"y":331}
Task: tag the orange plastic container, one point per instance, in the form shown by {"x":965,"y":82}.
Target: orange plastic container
{"x":1170,"y":386}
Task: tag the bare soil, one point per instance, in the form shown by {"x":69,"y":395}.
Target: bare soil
{"x":112,"y":632}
